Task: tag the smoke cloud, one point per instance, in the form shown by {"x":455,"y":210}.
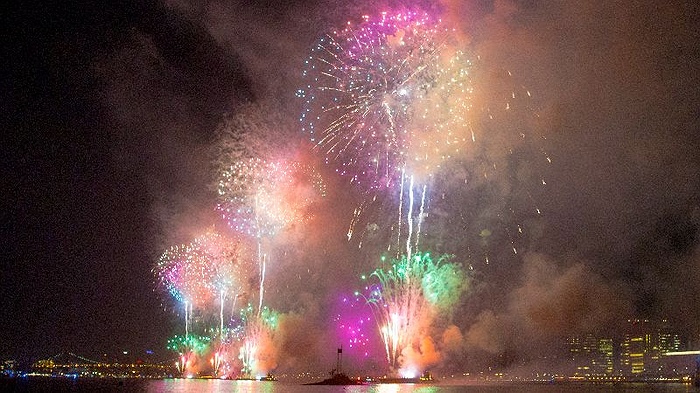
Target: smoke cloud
{"x":590,"y":217}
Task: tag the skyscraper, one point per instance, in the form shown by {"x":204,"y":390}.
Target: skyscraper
{"x":592,"y":356}
{"x":643,"y":346}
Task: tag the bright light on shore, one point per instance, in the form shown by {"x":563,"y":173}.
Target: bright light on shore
{"x":682,"y":353}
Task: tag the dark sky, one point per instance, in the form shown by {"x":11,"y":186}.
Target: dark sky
{"x":109,"y":119}
{"x":79,"y":238}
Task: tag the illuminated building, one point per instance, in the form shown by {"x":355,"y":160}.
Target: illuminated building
{"x":644,"y":345}
{"x":632,"y":353}
{"x":67,"y":364}
{"x":592,"y":356}
{"x":8,"y":368}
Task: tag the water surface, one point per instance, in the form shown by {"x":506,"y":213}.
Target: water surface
{"x":221,"y":386}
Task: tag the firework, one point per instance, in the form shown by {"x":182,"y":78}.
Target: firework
{"x":397,"y":99}
{"x":261,"y":198}
{"x":190,"y":343}
{"x":391,"y":102}
{"x":409,"y":294}
{"x":186,"y":276}
{"x":388,"y":94}
{"x":353,"y":321}
{"x":382,"y":222}
{"x":198,"y":272}
{"x":257,"y":330}
{"x":189,"y":348}
{"x":211,"y":269}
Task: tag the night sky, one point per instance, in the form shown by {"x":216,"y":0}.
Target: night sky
{"x":110,"y":118}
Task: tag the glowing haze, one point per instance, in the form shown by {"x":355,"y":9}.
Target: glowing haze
{"x":401,"y":151}
{"x":386,"y":103}
{"x":407,"y":299}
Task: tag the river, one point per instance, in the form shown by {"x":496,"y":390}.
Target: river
{"x":221,"y":386}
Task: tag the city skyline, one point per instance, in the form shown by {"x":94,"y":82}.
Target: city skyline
{"x":647,"y":350}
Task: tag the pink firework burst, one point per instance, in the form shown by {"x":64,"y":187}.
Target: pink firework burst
{"x":387,"y":95}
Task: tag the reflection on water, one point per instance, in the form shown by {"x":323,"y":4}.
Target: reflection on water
{"x":221,"y":386}
{"x":211,"y":386}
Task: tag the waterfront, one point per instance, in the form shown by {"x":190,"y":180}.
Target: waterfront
{"x":217,"y":386}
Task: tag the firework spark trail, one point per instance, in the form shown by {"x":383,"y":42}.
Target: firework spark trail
{"x":414,"y":222}
{"x":262,"y":283}
{"x":398,"y":308}
{"x":222,"y":296}
{"x":421,"y":214}
{"x":355,"y":219}
{"x":262,"y":198}
{"x":409,"y":219}
{"x":199,"y":275}
{"x":188,"y":312}
{"x":217,"y":362}
{"x":185,"y":276}
{"x":409,"y":295}
{"x":398,"y":232}
{"x":189,"y":348}
{"x":258,"y":329}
